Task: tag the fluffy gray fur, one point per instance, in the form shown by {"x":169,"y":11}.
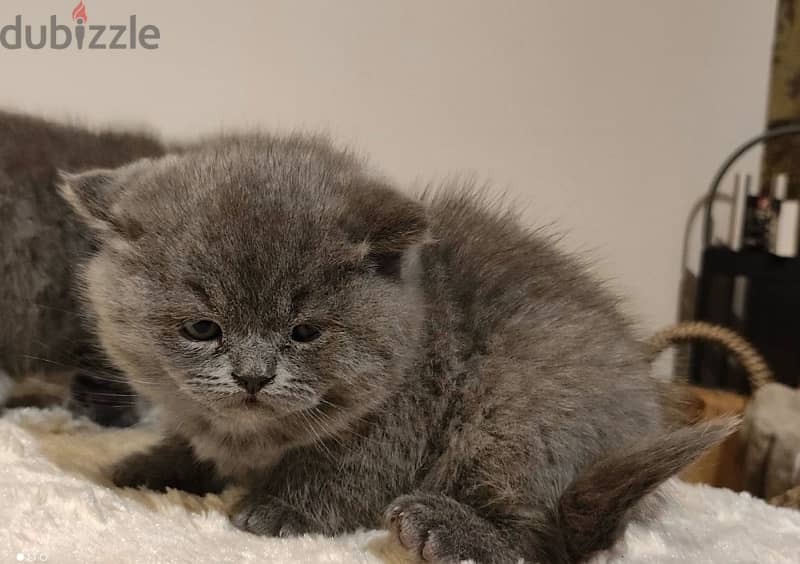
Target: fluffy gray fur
{"x":42,"y":242}
{"x":471,"y":387}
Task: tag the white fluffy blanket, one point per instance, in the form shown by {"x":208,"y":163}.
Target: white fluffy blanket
{"x":55,"y":506}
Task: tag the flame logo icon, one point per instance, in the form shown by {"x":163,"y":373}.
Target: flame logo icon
{"x":79,"y":13}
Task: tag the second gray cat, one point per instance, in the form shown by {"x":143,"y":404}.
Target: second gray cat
{"x":44,"y":328}
{"x":356,"y":357}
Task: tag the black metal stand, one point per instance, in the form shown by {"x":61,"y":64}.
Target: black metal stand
{"x":758,"y":295}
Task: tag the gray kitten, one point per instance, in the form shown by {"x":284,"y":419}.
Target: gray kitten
{"x":44,"y":327}
{"x":353,"y":356}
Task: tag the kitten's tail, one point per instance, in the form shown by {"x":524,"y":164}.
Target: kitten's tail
{"x":593,"y":507}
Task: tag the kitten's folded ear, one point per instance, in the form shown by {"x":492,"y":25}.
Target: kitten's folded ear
{"x":92,"y":195}
{"x":390,"y":224}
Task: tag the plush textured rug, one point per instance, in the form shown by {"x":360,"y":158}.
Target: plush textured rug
{"x":56,"y":506}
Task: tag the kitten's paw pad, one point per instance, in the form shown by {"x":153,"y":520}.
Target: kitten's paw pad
{"x":269,"y":519}
{"x":421,"y":529}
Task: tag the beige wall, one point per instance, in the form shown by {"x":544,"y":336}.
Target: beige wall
{"x":605,"y":117}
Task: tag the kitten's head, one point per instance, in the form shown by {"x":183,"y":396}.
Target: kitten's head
{"x":254,"y":277}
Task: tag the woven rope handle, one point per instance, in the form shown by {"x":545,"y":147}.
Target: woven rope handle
{"x":751,"y":360}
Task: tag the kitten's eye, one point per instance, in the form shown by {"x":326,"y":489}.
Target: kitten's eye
{"x":305,"y":333}
{"x":201,"y":330}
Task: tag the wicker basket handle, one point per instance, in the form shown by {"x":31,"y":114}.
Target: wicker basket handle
{"x":751,"y":360}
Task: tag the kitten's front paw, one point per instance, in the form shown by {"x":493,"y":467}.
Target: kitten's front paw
{"x":138,"y":470}
{"x":420,"y":527}
{"x":170,"y":464}
{"x":269,"y":517}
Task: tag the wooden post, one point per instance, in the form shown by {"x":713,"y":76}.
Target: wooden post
{"x":783,"y":155}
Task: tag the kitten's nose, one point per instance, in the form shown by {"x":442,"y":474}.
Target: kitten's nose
{"x":252,"y":384}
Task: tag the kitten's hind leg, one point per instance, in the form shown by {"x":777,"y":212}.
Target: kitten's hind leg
{"x":106,"y":401}
{"x":6,"y":385}
{"x":100,"y":392}
{"x":170,"y":464}
{"x":437,"y":528}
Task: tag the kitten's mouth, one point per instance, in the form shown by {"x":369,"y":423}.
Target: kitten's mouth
{"x":252,"y":401}
{"x":265,"y":405}
{"x":240,"y":401}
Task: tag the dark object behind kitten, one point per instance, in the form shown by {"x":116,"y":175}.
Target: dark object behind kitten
{"x":44,"y":328}
{"x":353,"y":356}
